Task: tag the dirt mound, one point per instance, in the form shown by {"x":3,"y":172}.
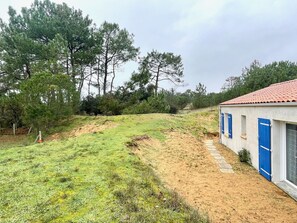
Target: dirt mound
{"x":92,"y":128}
{"x":134,"y":142}
{"x":85,"y":129}
{"x":211,"y":134}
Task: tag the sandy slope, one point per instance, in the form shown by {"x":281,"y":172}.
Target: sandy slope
{"x":185,"y":165}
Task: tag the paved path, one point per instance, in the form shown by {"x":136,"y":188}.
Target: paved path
{"x":220,"y":160}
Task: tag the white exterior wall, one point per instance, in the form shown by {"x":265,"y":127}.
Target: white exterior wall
{"x":278,"y":115}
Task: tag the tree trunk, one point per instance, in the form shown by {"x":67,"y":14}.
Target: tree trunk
{"x":113,"y":73}
{"x":67,"y":65}
{"x":72,"y":65}
{"x":105,"y":70}
{"x":105,"y":74}
{"x":90,"y":81}
{"x":28,"y":71}
{"x":99,"y":85}
{"x":81,"y":84}
{"x":157,"y":82}
{"x":98,"y":78}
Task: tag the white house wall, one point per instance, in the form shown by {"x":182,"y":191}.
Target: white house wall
{"x":278,"y":115}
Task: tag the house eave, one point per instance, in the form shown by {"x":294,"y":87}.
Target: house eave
{"x":279,"y":104}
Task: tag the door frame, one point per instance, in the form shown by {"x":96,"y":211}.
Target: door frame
{"x":284,"y":152}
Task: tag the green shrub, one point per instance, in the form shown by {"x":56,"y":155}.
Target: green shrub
{"x":245,"y":156}
{"x":173,"y":109}
{"x":200,"y":101}
{"x":154,"y":104}
{"x":48,"y":98}
{"x":11,"y":111}
{"x":176,"y":100}
{"x":110,"y":105}
{"x":141,"y":108}
{"x":89,"y":105}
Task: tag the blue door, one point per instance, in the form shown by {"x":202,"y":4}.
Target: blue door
{"x":264,"y":148}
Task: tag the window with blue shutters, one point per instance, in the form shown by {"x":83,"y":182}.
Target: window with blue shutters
{"x":222,"y":123}
{"x":230,"y":126}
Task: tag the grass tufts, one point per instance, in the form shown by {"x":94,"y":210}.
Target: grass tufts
{"x":93,"y":177}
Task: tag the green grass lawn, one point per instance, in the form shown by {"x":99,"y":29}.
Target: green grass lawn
{"x":94,"y":177}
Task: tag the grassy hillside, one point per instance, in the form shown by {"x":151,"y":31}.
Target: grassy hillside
{"x":94,"y":177}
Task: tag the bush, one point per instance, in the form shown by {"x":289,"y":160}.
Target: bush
{"x":48,"y":98}
{"x":177,"y":101}
{"x":11,"y":111}
{"x":173,"y":109}
{"x":152,"y":105}
{"x":109,"y":105}
{"x":200,"y":101}
{"x":141,"y":108}
{"x":245,"y":156}
{"x":90,"y":105}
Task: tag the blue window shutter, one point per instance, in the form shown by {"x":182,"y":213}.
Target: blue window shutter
{"x":222,"y":123}
{"x":230,"y":126}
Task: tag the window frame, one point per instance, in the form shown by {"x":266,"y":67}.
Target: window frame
{"x":243,"y":133}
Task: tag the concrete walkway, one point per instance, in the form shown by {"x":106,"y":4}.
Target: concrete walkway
{"x":220,"y":160}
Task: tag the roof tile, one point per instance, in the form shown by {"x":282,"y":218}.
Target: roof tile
{"x":275,"y":93}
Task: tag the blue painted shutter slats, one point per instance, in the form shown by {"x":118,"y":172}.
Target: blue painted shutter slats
{"x":222,"y":123}
{"x":230,"y":126}
{"x":264,"y":130}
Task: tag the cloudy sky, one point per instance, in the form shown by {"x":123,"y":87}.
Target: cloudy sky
{"x":216,"y":38}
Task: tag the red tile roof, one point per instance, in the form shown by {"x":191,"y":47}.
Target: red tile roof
{"x":275,"y":93}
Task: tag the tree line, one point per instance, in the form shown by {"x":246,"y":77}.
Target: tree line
{"x":252,"y":78}
{"x":49,"y":52}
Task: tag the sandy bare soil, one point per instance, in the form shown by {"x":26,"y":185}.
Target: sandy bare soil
{"x":185,"y":165}
{"x":12,"y":138}
{"x":87,"y":128}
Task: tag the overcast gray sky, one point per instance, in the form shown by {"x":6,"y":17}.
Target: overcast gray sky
{"x":216,"y":38}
